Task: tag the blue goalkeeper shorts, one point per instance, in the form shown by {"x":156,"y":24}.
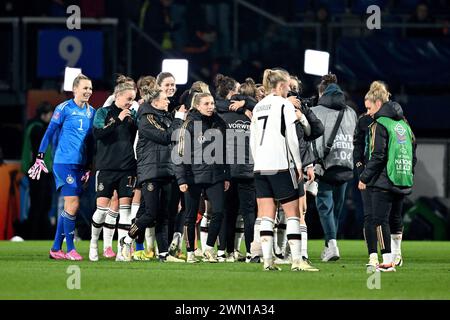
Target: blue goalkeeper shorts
{"x":68,"y":179}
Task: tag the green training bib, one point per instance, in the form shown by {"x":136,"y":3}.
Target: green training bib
{"x":400,"y":151}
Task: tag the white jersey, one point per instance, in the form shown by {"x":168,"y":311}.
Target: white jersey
{"x":273,"y":141}
{"x":135,"y":107}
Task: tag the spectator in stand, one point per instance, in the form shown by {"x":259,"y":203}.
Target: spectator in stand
{"x":422,"y":16}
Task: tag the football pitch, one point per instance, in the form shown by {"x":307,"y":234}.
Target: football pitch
{"x":28,"y":273}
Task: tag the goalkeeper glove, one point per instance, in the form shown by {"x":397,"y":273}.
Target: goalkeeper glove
{"x":38,"y":166}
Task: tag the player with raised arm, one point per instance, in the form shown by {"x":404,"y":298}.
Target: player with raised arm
{"x":71,"y":129}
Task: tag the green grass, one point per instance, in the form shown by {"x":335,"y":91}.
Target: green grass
{"x":27,"y":273}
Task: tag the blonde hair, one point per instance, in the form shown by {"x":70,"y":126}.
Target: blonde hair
{"x":197,"y":97}
{"x":124,"y":86}
{"x":272,"y":77}
{"x":77,"y":80}
{"x":150,"y":94}
{"x":199,"y":86}
{"x":378,"y":91}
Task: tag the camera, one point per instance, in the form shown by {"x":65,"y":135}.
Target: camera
{"x":305,"y":102}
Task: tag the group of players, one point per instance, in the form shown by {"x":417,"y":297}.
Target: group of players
{"x":217,"y":168}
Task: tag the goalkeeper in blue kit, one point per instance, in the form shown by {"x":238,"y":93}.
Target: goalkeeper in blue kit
{"x":70,"y":130}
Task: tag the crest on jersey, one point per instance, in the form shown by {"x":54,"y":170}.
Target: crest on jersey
{"x":150,"y":187}
{"x":70,"y":179}
{"x":100,"y":187}
{"x":88,"y":111}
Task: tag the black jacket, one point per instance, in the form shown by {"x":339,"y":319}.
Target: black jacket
{"x":238,"y":145}
{"x":222,"y":105}
{"x":375,"y":172}
{"x":317,"y":129}
{"x":154,"y":145}
{"x":360,"y":143}
{"x":115,"y":139}
{"x":195,"y":148}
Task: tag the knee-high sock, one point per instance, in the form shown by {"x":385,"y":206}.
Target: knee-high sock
{"x":59,"y":235}
{"x":266,"y":235}
{"x":134,"y":210}
{"x":109,"y":227}
{"x":294,"y":237}
{"x":124,"y":223}
{"x":204,"y":224}
{"x":255,"y":246}
{"x":69,"y":230}
{"x":304,"y":243}
{"x":98,"y":219}
{"x":150,"y":238}
{"x":396,"y":243}
{"x":239,"y":233}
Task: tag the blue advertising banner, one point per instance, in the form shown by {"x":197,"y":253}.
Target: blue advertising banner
{"x":78,"y":49}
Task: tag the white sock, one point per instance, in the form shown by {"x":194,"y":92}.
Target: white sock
{"x":204,"y":224}
{"x":134,"y":210}
{"x":293,"y":235}
{"x":128,"y":239}
{"x":256,"y":230}
{"x":150,"y":238}
{"x":124,"y":223}
{"x":304,"y":242}
{"x":239,"y":233}
{"x":332,"y":243}
{"x":220,"y":252}
{"x":109,"y":228}
{"x":387,"y":258}
{"x":373,"y":256}
{"x":266,"y":236}
{"x":396,"y":244}
{"x":98,"y":218}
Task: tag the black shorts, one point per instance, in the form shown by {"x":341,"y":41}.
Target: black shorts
{"x":122,"y":181}
{"x":283,"y":186}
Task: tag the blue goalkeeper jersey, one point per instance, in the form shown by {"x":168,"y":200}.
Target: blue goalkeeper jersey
{"x":69,"y":128}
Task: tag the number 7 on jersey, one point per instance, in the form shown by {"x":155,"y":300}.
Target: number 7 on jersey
{"x":264,"y":127}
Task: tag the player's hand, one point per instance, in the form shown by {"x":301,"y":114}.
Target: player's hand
{"x":124,"y":113}
{"x":86,"y":176}
{"x":299,"y":114}
{"x":38,"y":166}
{"x":361,"y":186}
{"x":183,"y":187}
{"x":249,"y":114}
{"x":294,"y":101}
{"x":236,"y":105}
{"x":226,"y":185}
{"x":182,"y":108}
{"x":310,"y":174}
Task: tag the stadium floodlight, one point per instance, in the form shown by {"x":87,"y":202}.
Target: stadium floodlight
{"x":316,"y":62}
{"x":69,"y":75}
{"x":177,"y":67}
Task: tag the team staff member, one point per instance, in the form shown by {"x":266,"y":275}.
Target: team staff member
{"x":114,"y":130}
{"x":200,"y":168}
{"x":277,"y":165}
{"x":388,"y":173}
{"x":71,"y":127}
{"x":155,"y":171}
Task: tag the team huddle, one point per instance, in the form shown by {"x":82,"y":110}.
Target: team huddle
{"x":227,"y":167}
